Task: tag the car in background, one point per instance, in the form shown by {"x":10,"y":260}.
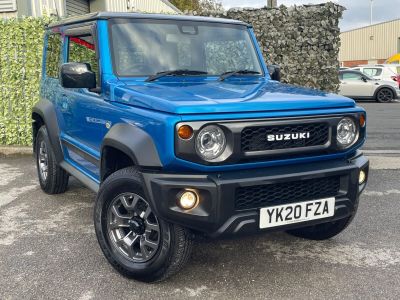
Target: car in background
{"x":357,"y":85}
{"x":343,"y":68}
{"x":381,"y":72}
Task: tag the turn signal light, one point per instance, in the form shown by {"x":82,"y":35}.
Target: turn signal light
{"x":362,"y":120}
{"x":185,"y":132}
{"x":188,"y":199}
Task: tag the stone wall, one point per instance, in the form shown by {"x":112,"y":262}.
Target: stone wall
{"x":303,"y":40}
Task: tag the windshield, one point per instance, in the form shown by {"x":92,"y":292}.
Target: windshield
{"x":147,"y":47}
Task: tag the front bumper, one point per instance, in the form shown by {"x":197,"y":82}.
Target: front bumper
{"x":218,"y":214}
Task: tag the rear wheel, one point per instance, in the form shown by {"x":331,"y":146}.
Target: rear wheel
{"x":322,"y":231}
{"x":52,"y":178}
{"x":136,"y":242}
{"x":384,"y":95}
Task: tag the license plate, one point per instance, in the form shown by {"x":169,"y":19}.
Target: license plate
{"x":296,"y":212}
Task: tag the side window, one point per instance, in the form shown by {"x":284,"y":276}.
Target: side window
{"x":82,"y":49}
{"x":53,"y":55}
{"x":373,"y":71}
{"x":351,"y":76}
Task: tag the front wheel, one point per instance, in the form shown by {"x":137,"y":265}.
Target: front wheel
{"x":384,"y":95}
{"x":135,"y":241}
{"x":322,"y":231}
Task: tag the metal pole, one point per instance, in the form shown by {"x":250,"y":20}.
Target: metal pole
{"x":370,"y":22}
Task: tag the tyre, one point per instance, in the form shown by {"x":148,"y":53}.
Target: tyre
{"x":135,"y":241}
{"x":52,"y":178}
{"x":385,"y":95}
{"x":322,"y":231}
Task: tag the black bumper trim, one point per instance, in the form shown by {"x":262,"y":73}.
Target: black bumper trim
{"x":216,"y":214}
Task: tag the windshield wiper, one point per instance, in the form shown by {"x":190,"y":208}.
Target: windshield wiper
{"x":175,"y":72}
{"x":238,"y":72}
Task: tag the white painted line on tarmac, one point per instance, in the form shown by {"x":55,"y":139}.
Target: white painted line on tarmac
{"x":352,"y":254}
{"x":366,"y":152}
{"x":384,"y":162}
{"x":385,"y":193}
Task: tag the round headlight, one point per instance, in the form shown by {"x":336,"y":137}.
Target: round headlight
{"x":210,"y":142}
{"x":346,"y":132}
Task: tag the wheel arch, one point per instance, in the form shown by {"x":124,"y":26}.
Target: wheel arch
{"x":385,"y":87}
{"x":44,"y":113}
{"x":37,"y":122}
{"x":127,"y":145}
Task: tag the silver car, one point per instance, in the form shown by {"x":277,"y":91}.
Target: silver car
{"x":357,"y":85}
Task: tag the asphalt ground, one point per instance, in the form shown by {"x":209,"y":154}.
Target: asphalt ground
{"x":383,"y":124}
{"x":48,"y":249}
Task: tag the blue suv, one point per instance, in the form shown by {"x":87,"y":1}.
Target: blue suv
{"x":182,"y":130}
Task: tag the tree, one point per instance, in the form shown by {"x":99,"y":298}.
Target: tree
{"x":197,"y":5}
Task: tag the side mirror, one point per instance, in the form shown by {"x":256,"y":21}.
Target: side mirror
{"x":77,"y":75}
{"x":364,"y":79}
{"x":275,"y":72}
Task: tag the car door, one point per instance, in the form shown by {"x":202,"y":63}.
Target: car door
{"x":50,"y":88}
{"x":83,"y":110}
{"x":354,"y":84}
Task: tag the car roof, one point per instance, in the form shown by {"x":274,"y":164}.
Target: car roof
{"x":378,"y":66}
{"x":370,"y":66}
{"x":132,"y":15}
{"x":351,"y":71}
{"x":388,"y":65}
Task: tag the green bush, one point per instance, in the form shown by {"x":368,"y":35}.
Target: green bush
{"x":21,"y":45}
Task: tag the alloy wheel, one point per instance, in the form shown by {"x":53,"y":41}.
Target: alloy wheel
{"x":133,"y":228}
{"x":385,"y":95}
{"x":43,"y":160}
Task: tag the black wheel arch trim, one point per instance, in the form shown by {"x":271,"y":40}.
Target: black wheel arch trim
{"x":135,"y":143}
{"x":45,"y":109}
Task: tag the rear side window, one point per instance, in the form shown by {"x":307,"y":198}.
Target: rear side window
{"x":53,"y":55}
{"x":372,"y":71}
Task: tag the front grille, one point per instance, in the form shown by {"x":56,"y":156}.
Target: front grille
{"x":255,"y":138}
{"x":287,"y":192}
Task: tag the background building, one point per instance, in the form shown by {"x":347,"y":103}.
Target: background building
{"x":272,"y":3}
{"x":370,"y":44}
{"x":37,"y":8}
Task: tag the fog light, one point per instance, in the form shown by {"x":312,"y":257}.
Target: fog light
{"x":362,"y":177}
{"x":188,"y":199}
